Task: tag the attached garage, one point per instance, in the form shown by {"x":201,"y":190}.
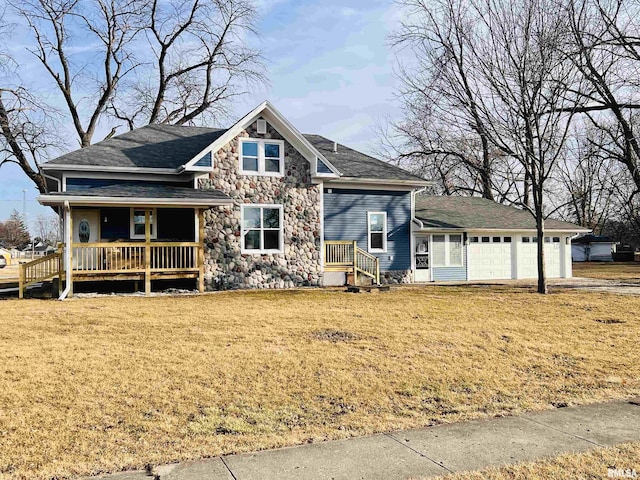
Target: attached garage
{"x":490,"y":257}
{"x":500,"y":242}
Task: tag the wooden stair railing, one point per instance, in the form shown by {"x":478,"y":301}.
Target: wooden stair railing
{"x":346,"y":256}
{"x":39,"y":270}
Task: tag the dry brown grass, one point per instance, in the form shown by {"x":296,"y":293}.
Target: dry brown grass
{"x":103,"y":384}
{"x":608,"y":270}
{"x":582,"y":466}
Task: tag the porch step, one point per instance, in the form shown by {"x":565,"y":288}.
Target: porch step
{"x":368,"y":289}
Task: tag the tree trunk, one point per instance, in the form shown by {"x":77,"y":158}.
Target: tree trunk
{"x":542,"y":274}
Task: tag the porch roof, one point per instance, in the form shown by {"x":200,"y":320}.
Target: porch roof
{"x":138,"y":194}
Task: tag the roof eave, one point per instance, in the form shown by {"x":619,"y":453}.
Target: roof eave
{"x":95,"y":200}
{"x":383,"y":181}
{"x":98,"y":168}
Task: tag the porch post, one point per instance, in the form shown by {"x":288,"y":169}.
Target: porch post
{"x":201,"y":250}
{"x":147,"y":251}
{"x":70,"y":247}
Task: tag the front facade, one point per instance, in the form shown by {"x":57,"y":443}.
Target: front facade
{"x":258,"y":205}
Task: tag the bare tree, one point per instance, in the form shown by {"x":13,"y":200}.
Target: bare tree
{"x":605,"y":47}
{"x":47,"y":229}
{"x":443,"y":123}
{"x":132,"y":61}
{"x":528,"y":81}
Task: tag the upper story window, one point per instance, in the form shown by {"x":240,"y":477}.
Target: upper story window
{"x":262,"y":229}
{"x":261,"y":157}
{"x":377,"y":222}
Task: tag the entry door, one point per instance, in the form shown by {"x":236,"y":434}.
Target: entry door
{"x":86,"y":229}
{"x":423,"y":272}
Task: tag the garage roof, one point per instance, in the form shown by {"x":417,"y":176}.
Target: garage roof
{"x":475,"y":213}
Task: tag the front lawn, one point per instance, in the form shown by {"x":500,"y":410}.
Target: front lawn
{"x":103,"y":384}
{"x":607,"y":270}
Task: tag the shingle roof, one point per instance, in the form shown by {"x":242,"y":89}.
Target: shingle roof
{"x":587,"y":239}
{"x":152,"y":146}
{"x":171,"y":146}
{"x":352,"y":163}
{"x":479,"y":213}
{"x":129,"y":190}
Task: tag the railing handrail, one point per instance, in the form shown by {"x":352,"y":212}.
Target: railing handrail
{"x":135,"y":244}
{"x":29,"y":273}
{"x":350,"y":255}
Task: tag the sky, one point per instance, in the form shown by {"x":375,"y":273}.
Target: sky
{"x":330,"y":72}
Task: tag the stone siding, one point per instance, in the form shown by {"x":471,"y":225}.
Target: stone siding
{"x":395,"y":276}
{"x":225,"y":266}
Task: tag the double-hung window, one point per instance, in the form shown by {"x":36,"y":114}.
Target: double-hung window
{"x":261,"y":157}
{"x":262,"y":229}
{"x":447,"y":250}
{"x":138,"y":223}
{"x":377,"y":222}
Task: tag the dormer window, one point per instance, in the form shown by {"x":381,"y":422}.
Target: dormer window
{"x":261,"y":157}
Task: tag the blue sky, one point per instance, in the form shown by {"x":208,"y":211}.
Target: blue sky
{"x":330,"y":71}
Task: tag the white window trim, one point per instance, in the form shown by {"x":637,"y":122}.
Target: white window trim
{"x":243,"y":230}
{"x":447,"y":250}
{"x":261,"y":158}
{"x":132,"y":229}
{"x":384,"y":233}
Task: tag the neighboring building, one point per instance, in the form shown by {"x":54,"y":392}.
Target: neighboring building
{"x":258,"y":205}
{"x":592,"y":248}
{"x":6,"y":254}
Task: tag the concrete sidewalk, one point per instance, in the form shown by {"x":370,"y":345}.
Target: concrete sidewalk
{"x":424,"y":452}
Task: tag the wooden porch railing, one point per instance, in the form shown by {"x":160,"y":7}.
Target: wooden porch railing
{"x":130,"y":257}
{"x":39,"y":270}
{"x":345,"y":256}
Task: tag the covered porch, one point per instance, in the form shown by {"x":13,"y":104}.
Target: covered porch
{"x":158,"y":236}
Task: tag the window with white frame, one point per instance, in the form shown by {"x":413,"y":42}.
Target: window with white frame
{"x":447,"y":250}
{"x":377,"y":230}
{"x":138,"y":223}
{"x":262,"y":229}
{"x":261,"y":157}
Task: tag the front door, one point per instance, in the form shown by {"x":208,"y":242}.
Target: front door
{"x":423,"y":272}
{"x":86,"y":229}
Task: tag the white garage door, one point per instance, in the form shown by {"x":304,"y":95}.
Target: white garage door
{"x":528,"y":257}
{"x":489,"y":258}
{"x":552,"y":256}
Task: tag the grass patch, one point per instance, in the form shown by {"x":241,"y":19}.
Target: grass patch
{"x":111,"y":383}
{"x":593,"y":464}
{"x":607,"y":270}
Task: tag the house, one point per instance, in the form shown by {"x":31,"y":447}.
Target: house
{"x":471,"y":238}
{"x":592,"y":248}
{"x":257,"y":205}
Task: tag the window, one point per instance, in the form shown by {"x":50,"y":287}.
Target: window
{"x":556,"y":239}
{"x":262,"y":228}
{"x":486,"y":239}
{"x":455,"y":250}
{"x":262,"y":157}
{"x":447,"y":250}
{"x":439,"y":251}
{"x":496,"y":239}
{"x":507,"y":239}
{"x":526,"y":239}
{"x":547,"y":239}
{"x":138,"y":223}
{"x":377,"y":222}
{"x":473,"y":239}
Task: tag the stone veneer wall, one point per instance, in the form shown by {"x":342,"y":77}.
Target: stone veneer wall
{"x":225,"y":266}
{"x":395,"y":276}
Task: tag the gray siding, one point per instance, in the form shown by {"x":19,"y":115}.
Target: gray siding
{"x":446,"y":274}
{"x":345,"y":218}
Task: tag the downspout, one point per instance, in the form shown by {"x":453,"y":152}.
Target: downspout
{"x":67,"y":251}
